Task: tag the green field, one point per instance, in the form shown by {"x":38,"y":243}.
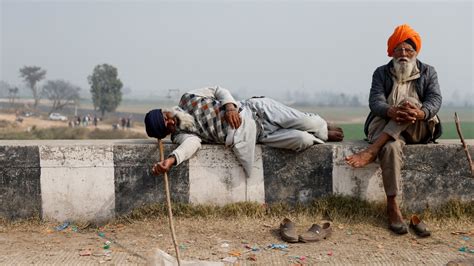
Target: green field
{"x":356,"y":131}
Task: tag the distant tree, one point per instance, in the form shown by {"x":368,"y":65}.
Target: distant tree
{"x":354,"y":101}
{"x":32,"y":75}
{"x":4,"y":88}
{"x":12,"y":95}
{"x":60,"y":93}
{"x":105,"y":88}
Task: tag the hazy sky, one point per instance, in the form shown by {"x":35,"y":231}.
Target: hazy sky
{"x":251,"y":47}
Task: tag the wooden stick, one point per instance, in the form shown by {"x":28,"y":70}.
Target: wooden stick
{"x":458,"y":128}
{"x":168,"y":201}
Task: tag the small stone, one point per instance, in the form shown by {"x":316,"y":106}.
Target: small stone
{"x":230,"y":259}
{"x":85,"y":252}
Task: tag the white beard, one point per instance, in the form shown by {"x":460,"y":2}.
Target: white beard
{"x":403,"y":69}
{"x":185,"y":120}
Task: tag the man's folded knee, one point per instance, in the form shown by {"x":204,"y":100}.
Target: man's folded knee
{"x":393,"y":145}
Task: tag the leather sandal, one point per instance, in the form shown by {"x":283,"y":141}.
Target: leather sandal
{"x":419,"y":227}
{"x":288,"y":231}
{"x":399,"y":228}
{"x":316,"y":233}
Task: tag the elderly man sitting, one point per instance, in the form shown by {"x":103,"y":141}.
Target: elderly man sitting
{"x":212,"y":115}
{"x":404,"y":101}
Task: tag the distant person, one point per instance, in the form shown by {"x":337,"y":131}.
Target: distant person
{"x":212,"y":115}
{"x":18,"y":117}
{"x":95,"y":121}
{"x":123,"y":122}
{"x":129,"y":122}
{"x":89,"y":119}
{"x":84,"y":121}
{"x":404,"y":101}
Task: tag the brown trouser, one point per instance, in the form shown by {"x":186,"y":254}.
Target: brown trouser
{"x":391,"y":154}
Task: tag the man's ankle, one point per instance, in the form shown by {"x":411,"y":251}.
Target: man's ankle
{"x":393,"y":211}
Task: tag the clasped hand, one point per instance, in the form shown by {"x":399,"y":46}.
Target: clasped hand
{"x":406,"y":112}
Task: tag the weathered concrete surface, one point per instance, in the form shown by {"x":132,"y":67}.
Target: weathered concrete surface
{"x":434,"y":174}
{"x":77,"y":182}
{"x":365,"y":183}
{"x":96,"y":180}
{"x":135,"y":186}
{"x":216,"y":177}
{"x":297,"y":177}
{"x":20,"y":190}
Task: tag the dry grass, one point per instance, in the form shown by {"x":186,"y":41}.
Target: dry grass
{"x":340,"y":208}
{"x":22,"y":224}
{"x":6,"y":124}
{"x":452,"y":209}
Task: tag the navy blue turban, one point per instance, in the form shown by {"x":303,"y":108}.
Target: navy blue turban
{"x":155,"y":124}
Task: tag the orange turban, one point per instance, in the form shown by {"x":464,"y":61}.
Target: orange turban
{"x":401,"y":34}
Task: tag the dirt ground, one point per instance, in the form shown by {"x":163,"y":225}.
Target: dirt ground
{"x":243,"y":240}
{"x":40,"y":123}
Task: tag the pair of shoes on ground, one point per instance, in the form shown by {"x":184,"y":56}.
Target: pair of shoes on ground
{"x":418,"y":226}
{"x":314,"y":233}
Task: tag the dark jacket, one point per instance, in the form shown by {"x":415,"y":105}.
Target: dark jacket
{"x":427,"y":88}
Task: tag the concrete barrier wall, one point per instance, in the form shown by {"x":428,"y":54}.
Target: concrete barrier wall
{"x":20,"y":188}
{"x":96,"y":180}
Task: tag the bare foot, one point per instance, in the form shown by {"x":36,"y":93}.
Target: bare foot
{"x":335,"y":135}
{"x":362,"y":158}
{"x":334,"y":128}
